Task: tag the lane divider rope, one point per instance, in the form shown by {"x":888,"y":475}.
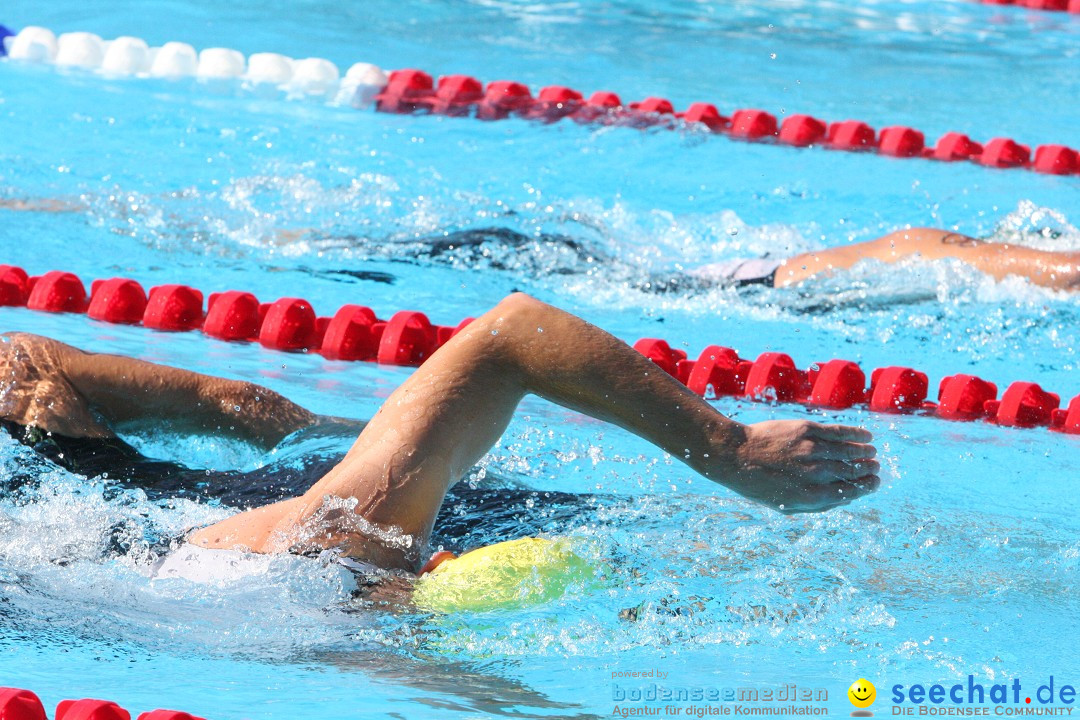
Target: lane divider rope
{"x":354,"y":332}
{"x":1072,"y":6}
{"x":412,"y":91}
{"x":18,"y":704}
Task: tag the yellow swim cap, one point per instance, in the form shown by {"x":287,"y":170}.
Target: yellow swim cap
{"x":508,"y":575}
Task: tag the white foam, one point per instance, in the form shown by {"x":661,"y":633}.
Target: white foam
{"x":80,"y":49}
{"x":126,"y":56}
{"x":362,"y":83}
{"x":269,"y":68}
{"x":174,"y":59}
{"x":223,"y":568}
{"x":220,"y":63}
{"x":33,"y":44}
{"x":314,"y":76}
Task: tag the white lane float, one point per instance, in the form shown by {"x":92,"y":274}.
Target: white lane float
{"x":220,"y":63}
{"x":126,"y":56}
{"x":33,"y":44}
{"x":269,"y":69}
{"x":80,"y":49}
{"x":174,"y":60}
{"x":313,"y":76}
{"x":362,"y":83}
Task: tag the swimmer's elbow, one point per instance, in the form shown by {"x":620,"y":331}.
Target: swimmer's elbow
{"x":518,"y":301}
{"x":521,"y":307}
{"x":18,"y":341}
{"x":19,"y":336}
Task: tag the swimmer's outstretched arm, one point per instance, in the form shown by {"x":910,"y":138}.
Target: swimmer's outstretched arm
{"x":62,"y":389}
{"x":437,"y":424}
{"x":1058,"y":270}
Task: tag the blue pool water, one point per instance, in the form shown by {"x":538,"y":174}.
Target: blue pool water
{"x":967,"y":559}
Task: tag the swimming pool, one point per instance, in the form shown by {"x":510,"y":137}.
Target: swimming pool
{"x":966,"y":560}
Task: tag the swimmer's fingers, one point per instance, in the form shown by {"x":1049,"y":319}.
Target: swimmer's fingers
{"x":841,"y":492}
{"x":844,"y":450}
{"x":839,"y":433}
{"x":827,"y":471}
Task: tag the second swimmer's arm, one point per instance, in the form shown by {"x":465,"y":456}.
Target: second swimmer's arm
{"x":123,"y":389}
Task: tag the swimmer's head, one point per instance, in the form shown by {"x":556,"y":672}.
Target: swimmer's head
{"x":508,"y":575}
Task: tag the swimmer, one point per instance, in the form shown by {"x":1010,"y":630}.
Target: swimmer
{"x":433,"y":428}
{"x":1055,"y":270}
{"x":1058,"y":270}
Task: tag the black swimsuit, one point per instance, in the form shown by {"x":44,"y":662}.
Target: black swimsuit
{"x":470,"y":516}
{"x":121,"y":463}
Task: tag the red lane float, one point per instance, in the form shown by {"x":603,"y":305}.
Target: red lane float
{"x":1005,"y":153}
{"x":964,"y":397}
{"x":851,"y":135}
{"x":1024,"y":404}
{"x":409,"y":338}
{"x":290,"y":324}
{"x":893,"y":389}
{"x":407,"y":91}
{"x":1072,"y":6}
{"x":16,"y":704}
{"x":414,"y":91}
{"x":753,"y":125}
{"x":715,"y":372}
{"x":353,"y":334}
{"x":955,"y":146}
{"x":803,"y":130}
{"x":1068,"y":420}
{"x":837,"y":384}
{"x":901,"y":142}
{"x":173,"y":307}
{"x":773,"y":376}
{"x":57,"y":292}
{"x":840,"y":384}
{"x":503,"y":98}
{"x":14,"y":285}
{"x":233,"y":315}
{"x":88,"y":709}
{"x":707,"y":115}
{"x":456,"y":95}
{"x":117,"y":300}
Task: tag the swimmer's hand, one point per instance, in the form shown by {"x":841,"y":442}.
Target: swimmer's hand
{"x":797,"y":466}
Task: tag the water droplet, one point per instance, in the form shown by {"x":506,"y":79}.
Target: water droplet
{"x":494,"y":332}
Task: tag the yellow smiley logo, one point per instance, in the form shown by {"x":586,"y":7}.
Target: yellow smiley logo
{"x":862,"y":693}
